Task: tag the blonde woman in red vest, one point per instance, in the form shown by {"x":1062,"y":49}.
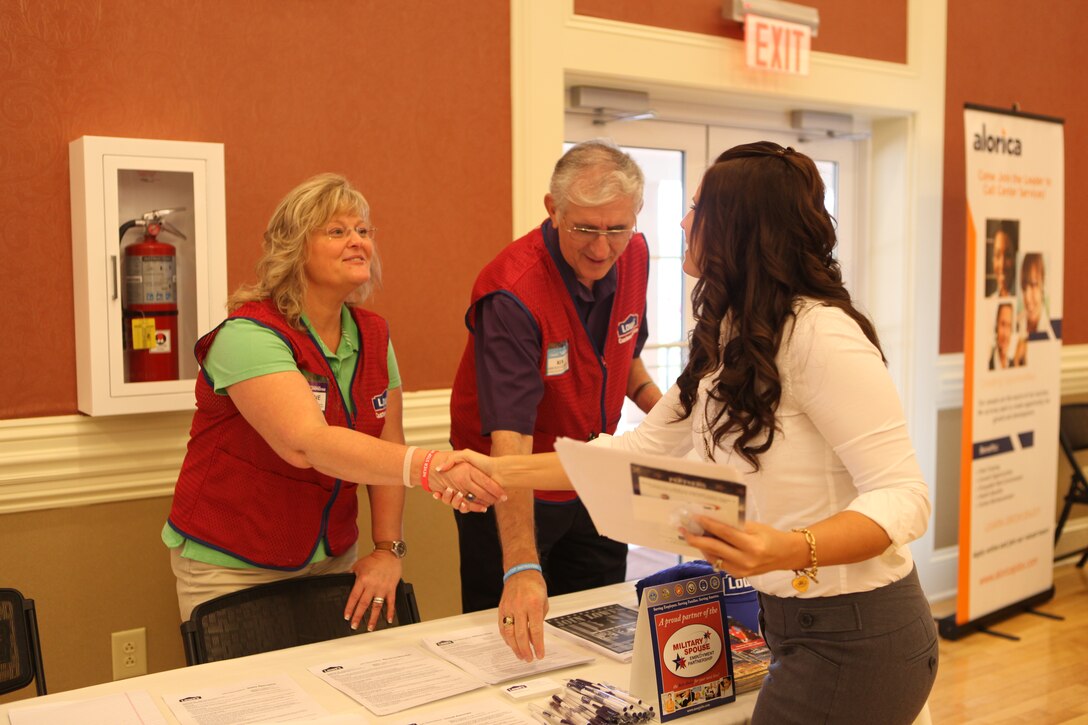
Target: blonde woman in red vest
{"x":298,"y":402}
{"x":786,"y":383}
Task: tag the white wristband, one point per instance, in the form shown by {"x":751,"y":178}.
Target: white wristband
{"x":406,"y":472}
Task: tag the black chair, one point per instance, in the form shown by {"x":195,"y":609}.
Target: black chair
{"x":1073,"y":434}
{"x":20,"y":649}
{"x":280,"y":614}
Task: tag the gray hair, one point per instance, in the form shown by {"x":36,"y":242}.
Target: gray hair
{"x":594,"y":173}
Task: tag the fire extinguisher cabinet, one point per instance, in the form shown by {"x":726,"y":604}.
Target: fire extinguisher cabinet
{"x":148,"y":266}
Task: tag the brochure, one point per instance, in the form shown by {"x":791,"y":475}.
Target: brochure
{"x":609,"y":630}
{"x":683,"y":661}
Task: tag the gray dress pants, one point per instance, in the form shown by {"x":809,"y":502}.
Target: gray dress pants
{"x":867,"y":658}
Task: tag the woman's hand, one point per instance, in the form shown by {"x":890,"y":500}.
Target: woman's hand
{"x":755,"y":549}
{"x":376,"y":577}
{"x":457,"y":480}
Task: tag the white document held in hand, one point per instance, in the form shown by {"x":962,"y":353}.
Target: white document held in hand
{"x":644,"y":499}
{"x":481,"y":652}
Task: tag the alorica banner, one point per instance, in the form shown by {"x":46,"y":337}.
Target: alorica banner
{"x":1012,"y":359}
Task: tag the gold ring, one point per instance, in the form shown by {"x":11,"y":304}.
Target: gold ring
{"x":718,"y":564}
{"x":508,"y":621}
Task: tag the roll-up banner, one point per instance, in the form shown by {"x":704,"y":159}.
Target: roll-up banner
{"x":1012,"y":365}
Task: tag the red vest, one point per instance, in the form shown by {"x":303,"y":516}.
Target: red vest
{"x":235,"y":494}
{"x":585,"y":399}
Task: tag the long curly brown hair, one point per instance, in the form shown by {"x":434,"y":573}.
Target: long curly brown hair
{"x":761,"y":238}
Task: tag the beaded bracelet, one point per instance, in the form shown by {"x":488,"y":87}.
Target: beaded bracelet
{"x":520,"y":568}
{"x":424,"y":473}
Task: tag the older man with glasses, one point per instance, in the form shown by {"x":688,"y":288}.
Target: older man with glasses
{"x":557,"y":322}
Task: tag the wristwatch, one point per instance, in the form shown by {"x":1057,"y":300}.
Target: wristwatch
{"x":397,"y":547}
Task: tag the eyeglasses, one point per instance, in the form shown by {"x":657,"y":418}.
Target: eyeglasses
{"x":586,"y":235}
{"x":340,"y":233}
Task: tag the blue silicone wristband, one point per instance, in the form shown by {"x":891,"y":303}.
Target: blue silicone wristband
{"x":519,"y":568}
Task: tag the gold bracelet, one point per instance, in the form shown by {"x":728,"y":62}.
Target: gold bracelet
{"x":800,"y":580}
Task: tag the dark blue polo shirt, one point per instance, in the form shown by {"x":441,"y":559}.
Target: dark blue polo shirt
{"x":508,"y":378}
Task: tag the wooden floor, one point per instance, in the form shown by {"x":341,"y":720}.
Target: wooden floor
{"x":1040,"y":680}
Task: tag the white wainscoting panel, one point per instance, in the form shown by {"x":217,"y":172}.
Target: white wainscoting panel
{"x":75,"y":460}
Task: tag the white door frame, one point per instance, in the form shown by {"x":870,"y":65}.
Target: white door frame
{"x":551,"y":46}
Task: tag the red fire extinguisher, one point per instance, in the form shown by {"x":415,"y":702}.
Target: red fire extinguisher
{"x":149,"y":309}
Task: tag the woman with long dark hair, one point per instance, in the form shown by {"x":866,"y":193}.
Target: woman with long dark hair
{"x":786,"y":383}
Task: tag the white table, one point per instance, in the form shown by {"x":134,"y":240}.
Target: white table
{"x":295,"y":660}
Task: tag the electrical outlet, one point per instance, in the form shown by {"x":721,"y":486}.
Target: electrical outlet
{"x":129,"y":650}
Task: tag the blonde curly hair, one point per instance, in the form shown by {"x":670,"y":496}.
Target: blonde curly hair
{"x":307,"y":207}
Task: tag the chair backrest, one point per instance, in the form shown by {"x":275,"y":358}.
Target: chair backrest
{"x":281,"y":614}
{"x":20,"y":650}
{"x":1073,"y":432}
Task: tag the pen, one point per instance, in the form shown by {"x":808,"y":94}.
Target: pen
{"x":539,"y":718}
{"x":550,"y":717}
{"x":586,"y":711}
{"x":595,"y":703}
{"x":602,"y":696}
{"x":622,"y":694}
{"x":569,"y":713}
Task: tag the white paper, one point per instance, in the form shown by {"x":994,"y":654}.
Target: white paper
{"x":272,"y":699}
{"x":483,"y":712}
{"x":124,"y":708}
{"x":388,"y":682}
{"x":641,"y":499}
{"x":482,"y":653}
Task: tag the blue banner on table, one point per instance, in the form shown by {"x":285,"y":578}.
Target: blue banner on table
{"x":1012,"y":359}
{"x":687,"y":631}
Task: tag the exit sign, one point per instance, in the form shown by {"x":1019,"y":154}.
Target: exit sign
{"x":777,"y":45}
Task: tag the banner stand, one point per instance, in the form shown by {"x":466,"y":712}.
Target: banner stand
{"x":947,"y":627}
{"x":1015,"y":244}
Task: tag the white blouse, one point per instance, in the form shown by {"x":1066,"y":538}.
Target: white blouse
{"x":842,"y":444}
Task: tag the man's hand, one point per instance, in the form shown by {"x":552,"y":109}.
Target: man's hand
{"x":525,"y":600}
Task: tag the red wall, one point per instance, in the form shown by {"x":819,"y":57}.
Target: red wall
{"x":1000,"y":53}
{"x":876,"y":30}
{"x":409,"y":99}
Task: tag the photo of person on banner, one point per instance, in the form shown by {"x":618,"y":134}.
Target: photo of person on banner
{"x":1033,"y":322}
{"x":1001,"y":354}
{"x":1003,"y":238}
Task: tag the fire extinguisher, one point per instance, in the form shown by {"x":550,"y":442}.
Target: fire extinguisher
{"x":149,"y":309}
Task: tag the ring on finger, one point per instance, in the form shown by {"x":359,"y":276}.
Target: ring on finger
{"x":508,"y":621}
{"x":718,"y":564}
{"x":470,"y":496}
{"x":378,"y":600}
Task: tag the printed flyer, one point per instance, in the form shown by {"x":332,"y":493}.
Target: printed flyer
{"x":692,"y":661}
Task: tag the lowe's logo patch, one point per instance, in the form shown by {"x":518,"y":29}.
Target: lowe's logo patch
{"x":627,"y":329}
{"x":379,"y":402}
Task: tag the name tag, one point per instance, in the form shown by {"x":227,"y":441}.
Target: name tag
{"x":558,"y":359}
{"x":321,"y":393}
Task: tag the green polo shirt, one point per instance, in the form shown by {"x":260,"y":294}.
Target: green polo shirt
{"x":244,"y":349}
